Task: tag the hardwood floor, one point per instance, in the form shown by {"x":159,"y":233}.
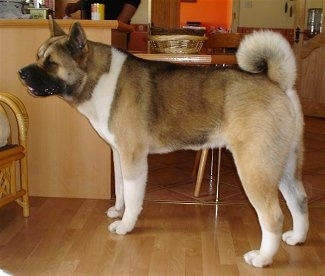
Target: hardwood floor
{"x":70,"y":237}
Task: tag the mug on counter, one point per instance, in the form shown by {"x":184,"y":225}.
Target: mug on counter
{"x":97,"y":11}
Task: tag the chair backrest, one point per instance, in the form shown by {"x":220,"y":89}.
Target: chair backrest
{"x":4,"y":127}
{"x":17,"y":110}
{"x":223,"y":43}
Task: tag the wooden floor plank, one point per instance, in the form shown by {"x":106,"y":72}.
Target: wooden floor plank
{"x":169,"y":239}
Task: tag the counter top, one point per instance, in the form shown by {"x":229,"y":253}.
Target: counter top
{"x":30,"y":23}
{"x":195,"y":59}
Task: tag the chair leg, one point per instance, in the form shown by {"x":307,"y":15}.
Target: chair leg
{"x":24,"y":181}
{"x":218,"y":175}
{"x":203,"y":160}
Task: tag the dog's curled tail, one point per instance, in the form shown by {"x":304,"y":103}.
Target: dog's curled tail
{"x":267,"y":50}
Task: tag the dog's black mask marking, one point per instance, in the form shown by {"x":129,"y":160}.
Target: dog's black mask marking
{"x":40,"y":83}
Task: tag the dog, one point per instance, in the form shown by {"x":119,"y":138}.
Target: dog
{"x":141,"y":107}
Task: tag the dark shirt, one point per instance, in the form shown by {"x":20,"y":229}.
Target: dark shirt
{"x":112,"y":7}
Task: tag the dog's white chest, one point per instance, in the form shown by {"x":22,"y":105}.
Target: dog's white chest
{"x":98,"y":108}
{"x":97,"y":111}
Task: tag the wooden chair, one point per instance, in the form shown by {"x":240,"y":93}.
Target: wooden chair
{"x":13,"y":159}
{"x":224,"y":44}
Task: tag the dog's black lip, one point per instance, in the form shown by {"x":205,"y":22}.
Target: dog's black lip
{"x":33,"y":92}
{"x":44,"y":92}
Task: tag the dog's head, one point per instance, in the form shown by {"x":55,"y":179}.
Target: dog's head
{"x":60,"y":66}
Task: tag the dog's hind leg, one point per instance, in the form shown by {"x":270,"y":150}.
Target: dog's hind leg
{"x":134,"y":167}
{"x":118,"y":209}
{"x":260,"y":181}
{"x":294,"y":193}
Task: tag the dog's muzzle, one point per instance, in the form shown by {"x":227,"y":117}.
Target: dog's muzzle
{"x":40,"y":83}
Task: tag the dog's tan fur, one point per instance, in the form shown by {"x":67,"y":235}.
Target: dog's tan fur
{"x":143,"y":107}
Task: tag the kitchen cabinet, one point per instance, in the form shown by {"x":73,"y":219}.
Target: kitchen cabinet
{"x":165,"y":13}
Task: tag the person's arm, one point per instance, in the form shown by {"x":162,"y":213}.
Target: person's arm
{"x":73,"y":7}
{"x":127,"y":13}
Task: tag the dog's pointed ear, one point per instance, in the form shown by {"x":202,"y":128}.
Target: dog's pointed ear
{"x":55,"y":28}
{"x":77,"y":37}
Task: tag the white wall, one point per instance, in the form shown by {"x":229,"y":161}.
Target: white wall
{"x":265,"y":13}
{"x":269,"y":13}
{"x":314,"y":3}
{"x":142,"y":14}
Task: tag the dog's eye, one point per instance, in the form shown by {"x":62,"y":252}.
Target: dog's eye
{"x":49,"y":64}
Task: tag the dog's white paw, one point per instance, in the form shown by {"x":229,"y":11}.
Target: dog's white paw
{"x":120,"y":227}
{"x":255,"y":258}
{"x":112,"y":212}
{"x":292,"y":239}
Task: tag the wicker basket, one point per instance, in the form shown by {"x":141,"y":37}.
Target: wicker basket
{"x":176,"y":44}
{"x":176,"y":31}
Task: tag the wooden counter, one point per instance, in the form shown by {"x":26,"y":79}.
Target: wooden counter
{"x":199,"y":59}
{"x":66,"y":23}
{"x":66,"y":157}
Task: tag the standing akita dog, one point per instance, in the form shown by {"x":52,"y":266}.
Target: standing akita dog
{"x":141,"y":107}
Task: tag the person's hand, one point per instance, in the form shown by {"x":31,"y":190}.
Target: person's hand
{"x":71,"y":8}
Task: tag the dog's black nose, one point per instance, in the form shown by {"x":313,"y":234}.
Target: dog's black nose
{"x":23,"y":73}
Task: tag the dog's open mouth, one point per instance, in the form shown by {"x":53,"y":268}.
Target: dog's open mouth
{"x":39,"y":83}
{"x":43,"y":92}
{"x":32,"y":91}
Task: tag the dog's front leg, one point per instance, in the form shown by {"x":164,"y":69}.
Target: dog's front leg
{"x":134,"y":171}
{"x":117,"y":210}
